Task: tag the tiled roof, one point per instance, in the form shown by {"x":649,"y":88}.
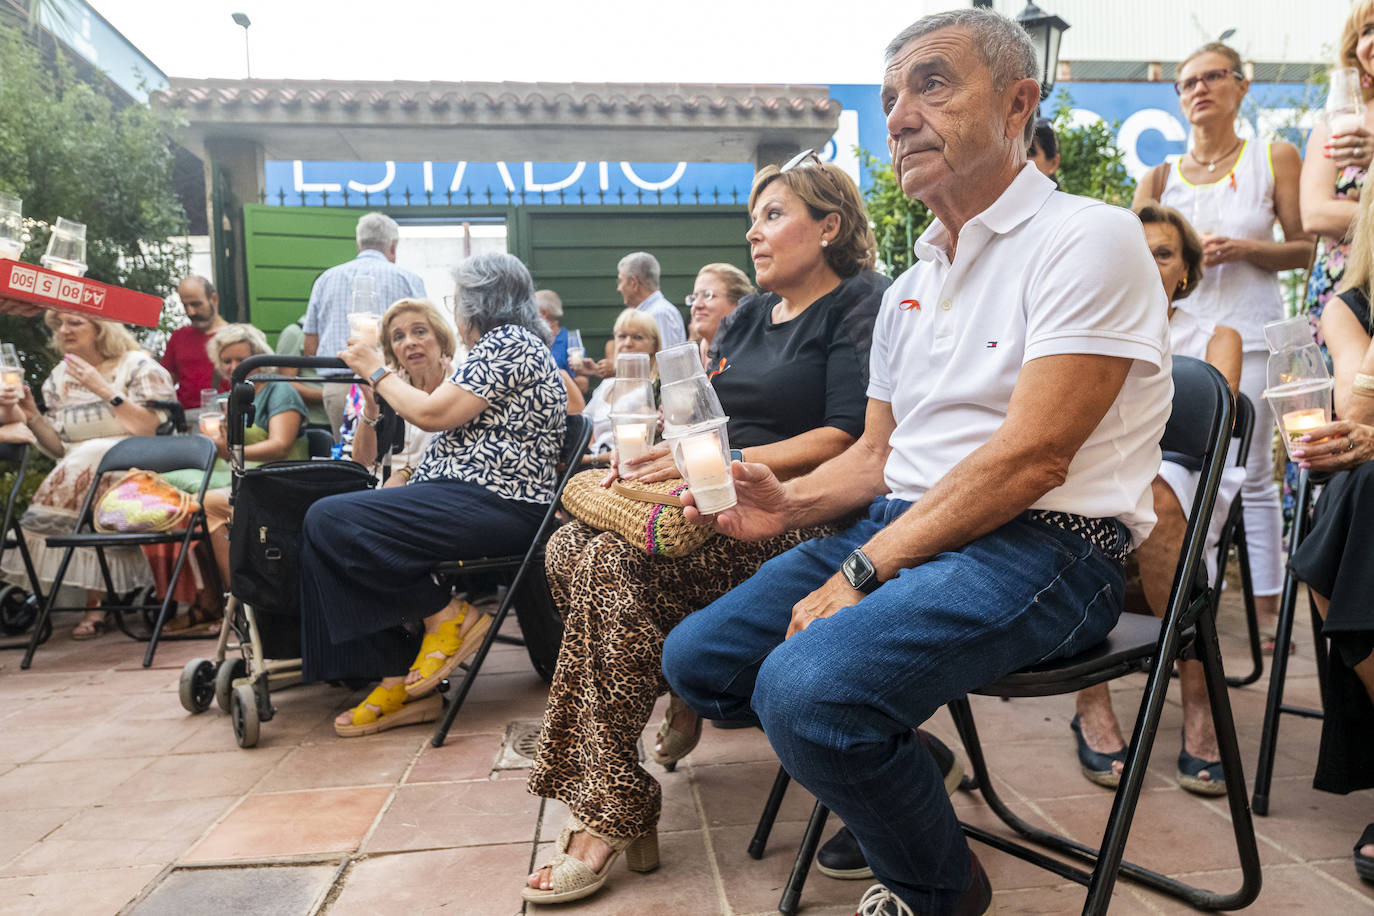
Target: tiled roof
{"x":543,"y":102}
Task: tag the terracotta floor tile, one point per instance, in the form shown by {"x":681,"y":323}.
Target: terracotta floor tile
{"x":489,"y":718}
{"x":118,"y":836}
{"x":461,"y":757}
{"x":754,"y":886}
{"x":370,"y":760}
{"x":293,"y":824}
{"x":1058,"y":900}
{"x":438,"y":815}
{"x":201,"y":775}
{"x":1344,"y":872}
{"x":734,"y":794}
{"x":77,"y":783}
{"x":683,"y":883}
{"x":23,"y":828}
{"x":74,"y":892}
{"x":721,"y":745}
{"x":121,"y":738}
{"x":414,"y":883}
{"x":64,"y":710}
{"x":1311,"y":825}
{"x":279,"y":890}
{"x":1287,"y":889}
{"x":23,"y":744}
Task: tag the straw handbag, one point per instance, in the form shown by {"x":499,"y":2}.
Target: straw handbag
{"x":648,"y":515}
{"x":142,"y":502}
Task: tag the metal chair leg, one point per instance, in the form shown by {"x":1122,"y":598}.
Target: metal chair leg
{"x":770,"y":814}
{"x":1247,"y":591}
{"x":811,"y":840}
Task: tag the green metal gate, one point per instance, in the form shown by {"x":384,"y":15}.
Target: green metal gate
{"x":570,"y":249}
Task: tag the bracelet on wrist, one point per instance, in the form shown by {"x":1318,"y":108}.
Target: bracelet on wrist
{"x":370,"y":422}
{"x":1364,"y":383}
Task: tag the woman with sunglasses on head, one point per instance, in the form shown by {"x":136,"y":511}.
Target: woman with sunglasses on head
{"x":792,"y":380}
{"x":1232,"y":191}
{"x":1334,"y":169}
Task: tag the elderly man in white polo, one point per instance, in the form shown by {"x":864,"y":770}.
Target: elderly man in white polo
{"x":1020,"y":382}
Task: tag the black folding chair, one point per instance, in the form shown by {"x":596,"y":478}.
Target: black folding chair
{"x":150,"y":453}
{"x":1233,"y":534}
{"x":18,"y":608}
{"x":540,"y":625}
{"x":1274,"y":706}
{"x":1197,"y":431}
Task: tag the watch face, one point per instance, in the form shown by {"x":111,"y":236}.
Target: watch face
{"x":858,"y":570}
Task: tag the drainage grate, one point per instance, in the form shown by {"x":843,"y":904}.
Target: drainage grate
{"x":522,"y":743}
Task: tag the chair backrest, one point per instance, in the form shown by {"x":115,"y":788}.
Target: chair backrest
{"x":159,"y":453}
{"x":1245,"y":426}
{"x":1199,"y":427}
{"x":320,"y":442}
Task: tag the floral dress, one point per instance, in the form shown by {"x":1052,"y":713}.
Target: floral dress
{"x":1330,"y":263}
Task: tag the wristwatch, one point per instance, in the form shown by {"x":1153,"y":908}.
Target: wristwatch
{"x":860,"y":572}
{"x":117,"y":400}
{"x":377,"y":376}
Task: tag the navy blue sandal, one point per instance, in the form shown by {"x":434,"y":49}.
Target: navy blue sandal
{"x":1096,"y":765}
{"x":1364,"y":865}
{"x":1189,"y":768}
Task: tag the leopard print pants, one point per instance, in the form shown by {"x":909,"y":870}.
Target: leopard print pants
{"x":618,"y":604}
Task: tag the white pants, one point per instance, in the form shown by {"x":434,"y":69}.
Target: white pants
{"x":1263,"y":521}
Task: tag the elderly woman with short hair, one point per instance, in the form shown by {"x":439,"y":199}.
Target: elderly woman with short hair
{"x":481,"y":487}
{"x":809,"y":337}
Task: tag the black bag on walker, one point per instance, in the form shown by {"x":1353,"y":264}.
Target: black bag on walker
{"x":270,"y":503}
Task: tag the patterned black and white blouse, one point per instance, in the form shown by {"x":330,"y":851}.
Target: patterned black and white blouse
{"x":511,"y":447}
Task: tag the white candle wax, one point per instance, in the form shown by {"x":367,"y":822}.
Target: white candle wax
{"x":10,"y":250}
{"x":209,"y":424}
{"x":1298,"y":423}
{"x":703,"y":462}
{"x":1346,"y":122}
{"x":12,"y":377}
{"x":364,"y":327}
{"x":631,"y":440}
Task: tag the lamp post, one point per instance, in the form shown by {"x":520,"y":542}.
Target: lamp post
{"x":243,"y":20}
{"x":1045,"y":30}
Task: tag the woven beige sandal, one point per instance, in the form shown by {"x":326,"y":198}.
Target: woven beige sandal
{"x":672,"y":745}
{"x":573,"y":879}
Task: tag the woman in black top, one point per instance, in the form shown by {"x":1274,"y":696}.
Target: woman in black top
{"x":791,"y":369}
{"x":1334,"y":557}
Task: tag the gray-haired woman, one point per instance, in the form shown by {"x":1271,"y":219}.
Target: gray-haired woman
{"x":481,"y":486}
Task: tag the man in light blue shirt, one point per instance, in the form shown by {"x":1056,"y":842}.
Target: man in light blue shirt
{"x":326,"y":318}
{"x":637,"y":281}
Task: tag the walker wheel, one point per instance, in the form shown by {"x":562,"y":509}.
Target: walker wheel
{"x":229,"y":670}
{"x":18,"y":610}
{"x":243,"y":712}
{"x":197,"y":687}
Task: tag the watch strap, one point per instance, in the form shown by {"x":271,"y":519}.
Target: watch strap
{"x":377,"y":376}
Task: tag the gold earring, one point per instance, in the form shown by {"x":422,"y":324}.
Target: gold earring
{"x":1183,"y":286}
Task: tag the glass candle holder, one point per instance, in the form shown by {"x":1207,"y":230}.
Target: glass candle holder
{"x":634,"y":435}
{"x":364,"y":326}
{"x":577,"y":351}
{"x":66,"y":248}
{"x":1300,"y":407}
{"x":702,"y":456}
{"x":11,"y":227}
{"x":11,"y":370}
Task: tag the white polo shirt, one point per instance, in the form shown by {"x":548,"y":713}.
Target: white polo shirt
{"x":1038,"y":273}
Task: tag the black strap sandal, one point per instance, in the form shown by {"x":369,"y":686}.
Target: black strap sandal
{"x":1364,"y":865}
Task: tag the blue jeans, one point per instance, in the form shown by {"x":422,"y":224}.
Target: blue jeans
{"x":839,"y":700}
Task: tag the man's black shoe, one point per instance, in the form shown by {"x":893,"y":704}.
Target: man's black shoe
{"x":840,"y":857}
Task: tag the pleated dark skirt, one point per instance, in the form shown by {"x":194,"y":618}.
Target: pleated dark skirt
{"x":1335,"y":560}
{"x":365,"y":568}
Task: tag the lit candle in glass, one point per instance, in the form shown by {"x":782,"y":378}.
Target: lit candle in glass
{"x":210,"y":424}
{"x":704,"y":462}
{"x":631,"y":441}
{"x":1298,"y":423}
{"x":363,"y":326}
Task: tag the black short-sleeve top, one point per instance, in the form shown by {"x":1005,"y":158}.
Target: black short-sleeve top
{"x":1358,"y":304}
{"x":779,"y":380}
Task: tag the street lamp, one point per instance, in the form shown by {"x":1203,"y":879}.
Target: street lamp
{"x":1045,"y":30}
{"x":243,"y":20}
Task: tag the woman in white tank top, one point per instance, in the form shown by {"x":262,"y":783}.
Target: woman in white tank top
{"x":1233,"y":191}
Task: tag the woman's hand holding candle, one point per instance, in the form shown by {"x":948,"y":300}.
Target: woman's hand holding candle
{"x":1336,"y":446}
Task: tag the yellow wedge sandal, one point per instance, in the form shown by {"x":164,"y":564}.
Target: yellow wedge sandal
{"x":396,"y":711}
{"x":453,"y":644}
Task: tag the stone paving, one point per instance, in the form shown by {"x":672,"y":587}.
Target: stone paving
{"x":115,"y":800}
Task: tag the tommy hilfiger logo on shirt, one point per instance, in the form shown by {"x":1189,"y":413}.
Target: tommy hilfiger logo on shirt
{"x":991,"y":345}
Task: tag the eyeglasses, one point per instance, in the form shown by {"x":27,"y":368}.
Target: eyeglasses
{"x":799,"y":159}
{"x":1212,"y":78}
{"x":705,"y":296}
